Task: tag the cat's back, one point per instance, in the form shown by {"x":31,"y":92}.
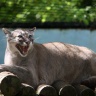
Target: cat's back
{"x":65,"y":49}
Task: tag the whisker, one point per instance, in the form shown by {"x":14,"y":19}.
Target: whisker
{"x":36,"y":38}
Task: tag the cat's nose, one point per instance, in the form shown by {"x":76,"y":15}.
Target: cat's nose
{"x":27,"y":42}
{"x":21,"y":41}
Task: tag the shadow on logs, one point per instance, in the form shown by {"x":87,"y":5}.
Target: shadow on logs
{"x":26,"y":90}
{"x":9,"y":84}
{"x":90,"y":82}
{"x":64,"y":89}
{"x":46,"y":90}
{"x":84,"y":91}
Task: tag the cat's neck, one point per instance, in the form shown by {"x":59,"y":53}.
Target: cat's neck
{"x":11,"y":49}
{"x":12,"y":57}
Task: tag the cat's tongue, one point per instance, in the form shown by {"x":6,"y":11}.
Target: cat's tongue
{"x":24,"y":49}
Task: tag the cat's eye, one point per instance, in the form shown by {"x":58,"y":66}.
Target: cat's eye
{"x":30,"y":36}
{"x":20,"y":36}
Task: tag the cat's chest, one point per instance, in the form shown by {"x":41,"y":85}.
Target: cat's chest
{"x":25,"y":61}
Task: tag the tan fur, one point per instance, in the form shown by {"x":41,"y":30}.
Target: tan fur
{"x":46,"y":63}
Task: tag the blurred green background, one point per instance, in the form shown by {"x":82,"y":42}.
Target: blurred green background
{"x":48,"y":11}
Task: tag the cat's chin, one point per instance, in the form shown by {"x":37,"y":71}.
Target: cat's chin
{"x":23,"y":55}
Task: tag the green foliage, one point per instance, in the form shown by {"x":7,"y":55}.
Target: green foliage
{"x":48,"y":11}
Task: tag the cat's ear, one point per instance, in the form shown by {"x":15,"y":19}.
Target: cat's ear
{"x":6,"y":31}
{"x":32,"y":30}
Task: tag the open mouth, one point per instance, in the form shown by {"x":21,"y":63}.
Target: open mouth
{"x":22,"y":49}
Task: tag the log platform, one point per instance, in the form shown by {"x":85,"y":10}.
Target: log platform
{"x":10,"y":85}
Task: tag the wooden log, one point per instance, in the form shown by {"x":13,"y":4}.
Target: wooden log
{"x":64,"y":89}
{"x":46,"y":90}
{"x":26,"y":90}
{"x":84,"y":91}
{"x":9,"y":84}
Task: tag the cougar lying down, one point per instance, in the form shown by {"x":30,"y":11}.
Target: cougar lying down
{"x":46,"y":63}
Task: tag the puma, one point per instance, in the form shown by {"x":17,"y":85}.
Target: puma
{"x":46,"y":63}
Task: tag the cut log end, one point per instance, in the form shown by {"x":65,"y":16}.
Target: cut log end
{"x":67,"y":90}
{"x":9,"y":84}
{"x":26,"y":90}
{"x":84,"y":91}
{"x":46,"y":90}
{"x":64,"y":88}
{"x":87,"y":92}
